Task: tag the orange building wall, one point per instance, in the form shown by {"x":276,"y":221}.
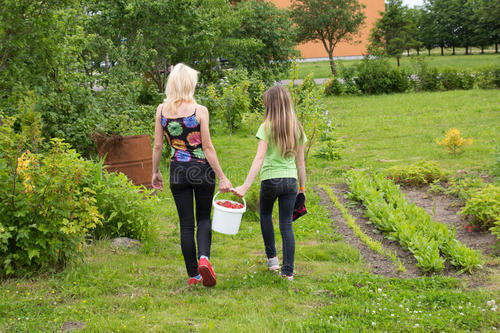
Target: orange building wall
{"x":317,"y":50}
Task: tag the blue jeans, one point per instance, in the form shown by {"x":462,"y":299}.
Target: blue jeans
{"x":285,"y":190}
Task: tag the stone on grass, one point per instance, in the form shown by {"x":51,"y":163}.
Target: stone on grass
{"x":126,"y":243}
{"x":72,"y":325}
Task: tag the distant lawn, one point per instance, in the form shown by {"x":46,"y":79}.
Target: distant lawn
{"x":380,"y":131}
{"x":321,"y":69}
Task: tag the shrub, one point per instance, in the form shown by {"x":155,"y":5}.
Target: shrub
{"x":45,"y":211}
{"x":483,"y":207}
{"x":488,"y":77}
{"x":376,"y":76}
{"x":452,"y":79}
{"x":127,"y":210}
{"x":417,"y":174}
{"x":496,"y":165}
{"x":453,"y":141}
{"x":426,"y":78}
{"x":334,"y":87}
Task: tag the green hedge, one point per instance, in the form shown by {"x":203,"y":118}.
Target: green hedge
{"x":377,"y":76}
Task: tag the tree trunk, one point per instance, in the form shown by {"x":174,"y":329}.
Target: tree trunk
{"x":408,"y":52}
{"x":429,"y":52}
{"x":496,"y":47}
{"x":332,"y":63}
{"x":453,"y":53}
{"x":482,"y":49}
{"x":466,"y":49}
{"x":106,"y":61}
{"x":397,"y":58}
{"x":418,"y":51}
{"x":442,"y":50}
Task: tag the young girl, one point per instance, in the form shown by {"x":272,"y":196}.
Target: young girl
{"x":192,"y":167}
{"x":280,"y":154}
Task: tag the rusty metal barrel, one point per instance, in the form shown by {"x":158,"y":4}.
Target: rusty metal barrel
{"x":131,"y":155}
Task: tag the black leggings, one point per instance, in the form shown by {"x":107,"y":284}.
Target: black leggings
{"x":185,"y":179}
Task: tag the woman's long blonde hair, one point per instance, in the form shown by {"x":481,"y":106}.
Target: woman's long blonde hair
{"x":181,"y":84}
{"x":285,"y":128}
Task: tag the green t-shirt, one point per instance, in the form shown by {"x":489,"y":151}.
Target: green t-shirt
{"x":275,"y":166}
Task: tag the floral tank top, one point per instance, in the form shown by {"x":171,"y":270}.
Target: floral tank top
{"x":185,"y":138}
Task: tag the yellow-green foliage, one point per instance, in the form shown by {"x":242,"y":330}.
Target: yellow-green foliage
{"x":370,"y":242}
{"x":483,"y":206}
{"x":453,"y":141}
{"x":416,"y":174}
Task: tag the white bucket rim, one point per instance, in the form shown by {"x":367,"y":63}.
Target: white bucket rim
{"x":229,"y":210}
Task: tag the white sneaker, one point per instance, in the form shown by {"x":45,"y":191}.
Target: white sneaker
{"x":288,"y":277}
{"x":273,"y":264}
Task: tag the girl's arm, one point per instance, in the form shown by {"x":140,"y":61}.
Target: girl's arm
{"x":209,"y":150}
{"x":301,"y":168}
{"x":254,"y":169}
{"x":157,"y":180}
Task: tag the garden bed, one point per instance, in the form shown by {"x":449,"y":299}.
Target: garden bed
{"x":445,"y":212}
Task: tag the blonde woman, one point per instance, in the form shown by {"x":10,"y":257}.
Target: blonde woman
{"x":280,"y":154}
{"x":192,"y":166}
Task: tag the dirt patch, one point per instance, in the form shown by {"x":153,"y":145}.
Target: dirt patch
{"x":72,"y":325}
{"x":441,"y":207}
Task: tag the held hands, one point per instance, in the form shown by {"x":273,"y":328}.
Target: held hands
{"x":240,"y":190}
{"x":157,"y":181}
{"x":224,"y":185}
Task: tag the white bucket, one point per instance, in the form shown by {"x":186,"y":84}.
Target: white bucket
{"x":227,"y":220}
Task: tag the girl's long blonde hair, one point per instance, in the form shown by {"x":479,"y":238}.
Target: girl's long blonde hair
{"x":285,"y":128}
{"x":181,"y":84}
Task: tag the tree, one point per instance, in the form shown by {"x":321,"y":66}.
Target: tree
{"x":329,"y":21}
{"x":392,"y":33}
{"x":426,"y":29}
{"x":263,"y":39}
{"x":486,"y":20}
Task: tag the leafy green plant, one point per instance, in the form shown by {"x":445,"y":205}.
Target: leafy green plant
{"x":459,"y":186}
{"x":421,"y":173}
{"x":45,"y":211}
{"x":483,"y":206}
{"x":127,"y":210}
{"x":376,"y":76}
{"x":452,"y":79}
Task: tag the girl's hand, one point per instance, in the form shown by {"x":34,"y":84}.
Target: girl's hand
{"x":224,"y":185}
{"x":157,"y":181}
{"x":240,"y":190}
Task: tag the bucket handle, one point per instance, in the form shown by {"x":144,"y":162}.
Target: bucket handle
{"x":244,"y":201}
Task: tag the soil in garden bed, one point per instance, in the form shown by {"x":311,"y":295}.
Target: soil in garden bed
{"x":445,"y":212}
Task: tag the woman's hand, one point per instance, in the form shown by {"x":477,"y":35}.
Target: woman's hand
{"x":157,"y":181}
{"x":224,"y":185}
{"x":241,"y":190}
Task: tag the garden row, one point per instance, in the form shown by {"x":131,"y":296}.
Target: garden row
{"x":51,"y":202}
{"x":480,"y":201}
{"x":377,"y":76}
{"x":410,"y":225}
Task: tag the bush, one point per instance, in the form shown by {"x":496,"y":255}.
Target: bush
{"x":426,"y":78}
{"x":489,"y":77}
{"x":376,"y":76}
{"x":451,"y":79}
{"x":127,"y":210}
{"x":45,"y":211}
{"x":334,"y":87}
{"x":417,"y":174}
{"x":459,"y":186}
{"x":483,"y":207}
{"x":453,"y":142}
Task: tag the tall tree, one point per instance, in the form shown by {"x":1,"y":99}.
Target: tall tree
{"x":426,"y":29}
{"x":392,"y":33}
{"x":486,"y":23}
{"x":329,"y":21}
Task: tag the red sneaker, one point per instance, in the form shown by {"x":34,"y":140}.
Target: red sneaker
{"x":207,"y":273}
{"x":194,"y":280}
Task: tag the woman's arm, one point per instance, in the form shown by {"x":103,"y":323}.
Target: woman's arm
{"x":209,"y":150}
{"x":301,"y":167}
{"x":157,"y":180}
{"x":254,"y":169}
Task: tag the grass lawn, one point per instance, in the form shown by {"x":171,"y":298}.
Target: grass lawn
{"x":321,"y":69}
{"x":115,"y":290}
